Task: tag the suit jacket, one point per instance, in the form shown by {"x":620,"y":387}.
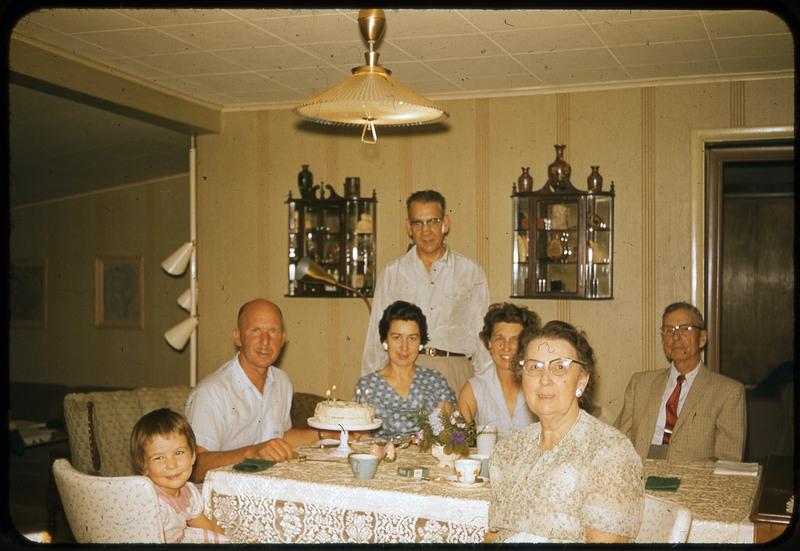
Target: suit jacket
{"x":711,"y":424}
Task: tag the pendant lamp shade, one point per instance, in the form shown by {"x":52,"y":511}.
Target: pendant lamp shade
{"x":176,"y":263}
{"x":370,"y":97}
{"x":179,"y":335}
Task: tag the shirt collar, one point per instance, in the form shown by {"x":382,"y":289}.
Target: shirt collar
{"x":673,"y":372}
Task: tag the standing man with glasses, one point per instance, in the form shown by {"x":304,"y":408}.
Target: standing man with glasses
{"x":450,"y":288}
{"x":685,"y":412}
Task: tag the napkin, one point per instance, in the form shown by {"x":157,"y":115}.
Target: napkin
{"x":734,"y":467}
{"x":253,"y":465}
{"x":662,"y":484}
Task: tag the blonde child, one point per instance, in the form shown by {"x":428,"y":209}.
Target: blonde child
{"x":163,"y":448}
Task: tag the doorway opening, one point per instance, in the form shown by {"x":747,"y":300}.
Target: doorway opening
{"x":750,"y":285}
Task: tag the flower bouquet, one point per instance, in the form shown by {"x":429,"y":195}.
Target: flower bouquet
{"x":450,"y":430}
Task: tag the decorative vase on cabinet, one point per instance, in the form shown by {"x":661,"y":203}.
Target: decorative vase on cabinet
{"x":338,"y":233}
{"x":563,"y":240}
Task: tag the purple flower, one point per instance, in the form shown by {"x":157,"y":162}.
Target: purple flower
{"x":458,"y":438}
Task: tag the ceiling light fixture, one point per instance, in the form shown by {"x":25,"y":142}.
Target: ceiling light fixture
{"x":370,"y":97}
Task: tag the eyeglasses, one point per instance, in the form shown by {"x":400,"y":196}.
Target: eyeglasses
{"x":431,"y":223}
{"x":558,"y":367}
{"x":684,"y":329}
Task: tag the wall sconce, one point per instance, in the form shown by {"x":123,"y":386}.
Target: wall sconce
{"x":176,"y":263}
{"x":308,"y":271}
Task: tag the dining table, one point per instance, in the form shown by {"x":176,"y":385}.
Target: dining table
{"x":320,"y":501}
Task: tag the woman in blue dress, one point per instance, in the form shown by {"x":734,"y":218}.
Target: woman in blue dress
{"x":397,"y":391}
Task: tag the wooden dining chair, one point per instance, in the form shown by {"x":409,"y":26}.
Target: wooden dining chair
{"x":109,"y":509}
{"x":664,"y":521}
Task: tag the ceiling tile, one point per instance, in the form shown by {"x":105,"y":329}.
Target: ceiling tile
{"x":456,"y":69}
{"x":574,"y":37}
{"x":697,"y":50}
{"x":419,"y":23}
{"x":192,"y":63}
{"x":448,"y":47}
{"x":81,"y":20}
{"x":270,"y":58}
{"x":161,"y":17}
{"x":576,"y":76}
{"x":305,"y":29}
{"x":136,"y":42}
{"x":560,"y":61}
{"x":673,"y":70}
{"x":601,"y":16}
{"x":758,"y":64}
{"x":351,"y":53}
{"x":648,"y":31}
{"x":226,"y":35}
{"x":515,"y":20}
{"x":747,"y":23}
{"x":753,"y":46}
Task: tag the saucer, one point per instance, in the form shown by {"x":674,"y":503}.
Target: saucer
{"x":453,"y":481}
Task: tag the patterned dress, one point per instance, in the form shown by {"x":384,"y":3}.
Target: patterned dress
{"x":593,"y":478}
{"x":397,"y":414}
{"x":177,"y":511}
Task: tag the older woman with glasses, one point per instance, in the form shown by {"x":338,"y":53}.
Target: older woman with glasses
{"x":495,"y":396}
{"x":570,"y":477}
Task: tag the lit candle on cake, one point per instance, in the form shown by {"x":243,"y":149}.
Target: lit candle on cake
{"x":366,"y":395}
{"x":328,"y":395}
{"x":358,"y":395}
{"x":334,"y":393}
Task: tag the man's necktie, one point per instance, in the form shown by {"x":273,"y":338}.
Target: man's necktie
{"x":672,"y":409}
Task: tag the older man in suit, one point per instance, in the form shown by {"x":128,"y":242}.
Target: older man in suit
{"x":685,"y":412}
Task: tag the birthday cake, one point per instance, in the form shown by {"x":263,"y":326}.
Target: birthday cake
{"x":339,"y":412}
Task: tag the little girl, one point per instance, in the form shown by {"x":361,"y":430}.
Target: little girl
{"x":163,"y":448}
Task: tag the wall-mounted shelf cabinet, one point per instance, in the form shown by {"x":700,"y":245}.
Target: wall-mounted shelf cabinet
{"x":339,"y":234}
{"x":563,"y":244}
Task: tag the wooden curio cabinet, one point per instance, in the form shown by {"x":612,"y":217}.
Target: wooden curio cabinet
{"x":338,"y":233}
{"x":563,"y":243}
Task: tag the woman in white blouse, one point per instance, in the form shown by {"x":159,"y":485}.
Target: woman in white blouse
{"x":495,"y":397}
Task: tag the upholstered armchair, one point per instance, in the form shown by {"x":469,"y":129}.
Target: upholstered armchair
{"x":100,"y":509}
{"x":99,"y":425}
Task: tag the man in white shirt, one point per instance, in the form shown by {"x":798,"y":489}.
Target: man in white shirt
{"x":685,"y":412}
{"x":450,"y":288}
{"x":241,"y":410}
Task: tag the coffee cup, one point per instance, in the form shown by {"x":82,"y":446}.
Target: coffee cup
{"x":486,"y":439}
{"x":364,"y":465}
{"x":467,"y":470}
{"x":484,"y":459}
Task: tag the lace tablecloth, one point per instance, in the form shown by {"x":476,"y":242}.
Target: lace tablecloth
{"x":720,"y":504}
{"x":321,"y":502}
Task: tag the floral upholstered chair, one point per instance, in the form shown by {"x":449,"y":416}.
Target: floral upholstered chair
{"x":101,"y":509}
{"x":99,"y":425}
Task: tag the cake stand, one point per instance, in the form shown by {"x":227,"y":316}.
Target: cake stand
{"x":344,"y":448}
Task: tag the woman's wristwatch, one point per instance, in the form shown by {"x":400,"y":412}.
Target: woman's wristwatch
{"x":319,"y":434}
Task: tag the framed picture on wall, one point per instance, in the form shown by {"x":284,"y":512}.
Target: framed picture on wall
{"x":119,"y":286}
{"x":28,"y":293}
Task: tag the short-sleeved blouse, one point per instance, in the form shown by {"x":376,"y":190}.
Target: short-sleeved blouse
{"x":591,"y":479}
{"x":398,"y":414}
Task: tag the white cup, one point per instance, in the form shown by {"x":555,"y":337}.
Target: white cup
{"x":484,"y":459}
{"x":487,"y":438}
{"x":467,"y":470}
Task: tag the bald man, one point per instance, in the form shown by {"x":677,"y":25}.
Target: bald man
{"x":241,"y":410}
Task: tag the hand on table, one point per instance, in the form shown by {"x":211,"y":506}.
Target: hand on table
{"x":276,"y":449}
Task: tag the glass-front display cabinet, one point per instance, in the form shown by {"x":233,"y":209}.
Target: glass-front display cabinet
{"x":338,"y":233}
{"x":563,"y":243}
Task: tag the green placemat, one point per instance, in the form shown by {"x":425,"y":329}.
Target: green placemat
{"x":253,"y":465}
{"x":662,"y":484}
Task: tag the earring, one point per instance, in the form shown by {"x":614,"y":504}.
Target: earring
{"x":421,"y":347}
{"x":578,"y":393}
{"x":386,"y":346}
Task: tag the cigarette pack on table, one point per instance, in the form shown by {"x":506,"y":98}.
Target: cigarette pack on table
{"x":413,"y":472}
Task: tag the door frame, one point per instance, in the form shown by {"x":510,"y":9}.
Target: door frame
{"x":705,"y":221}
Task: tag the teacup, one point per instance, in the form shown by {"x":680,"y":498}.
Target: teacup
{"x":486,"y":439}
{"x":484,"y":459}
{"x":467,"y":470}
{"x":364,"y":465}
